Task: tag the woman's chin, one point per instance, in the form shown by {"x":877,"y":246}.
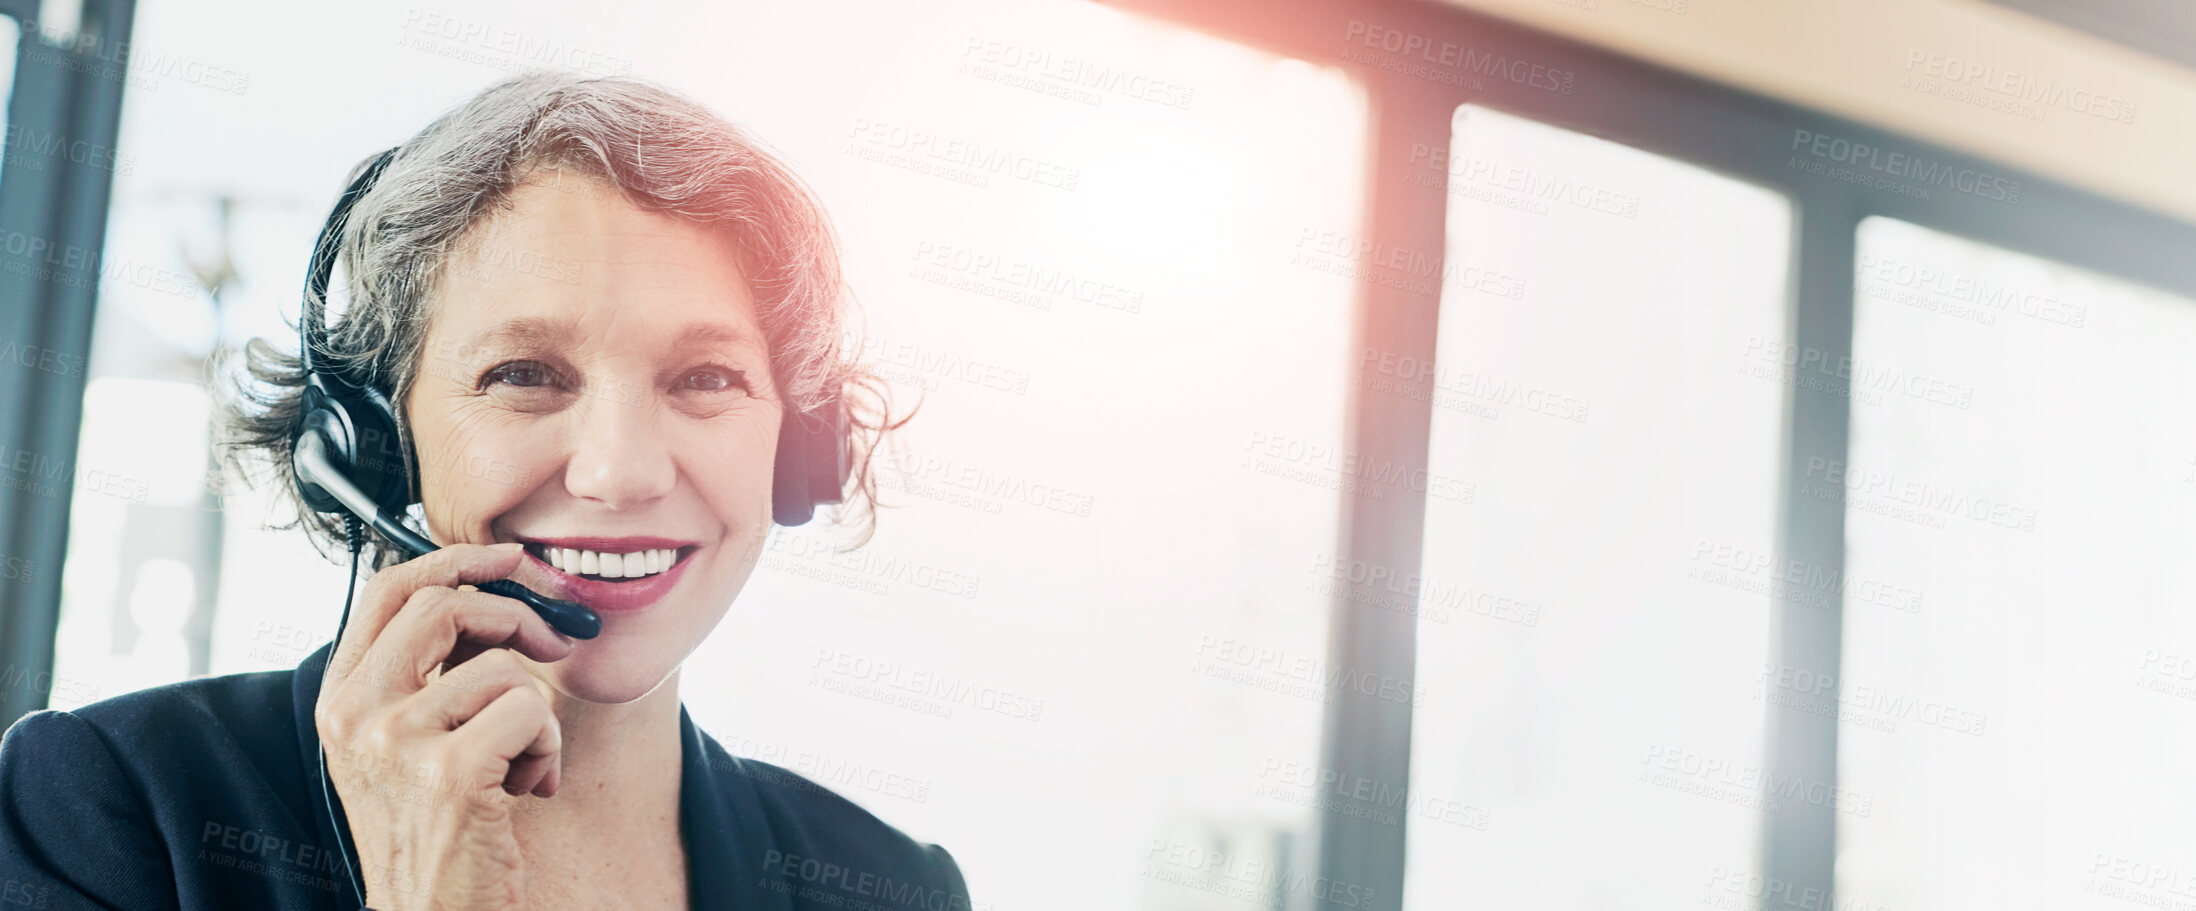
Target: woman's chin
{"x":603,"y":677}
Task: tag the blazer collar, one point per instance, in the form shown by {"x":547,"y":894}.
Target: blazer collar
{"x":721,"y":818}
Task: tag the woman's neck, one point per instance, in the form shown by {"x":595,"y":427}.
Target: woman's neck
{"x":621,"y":765}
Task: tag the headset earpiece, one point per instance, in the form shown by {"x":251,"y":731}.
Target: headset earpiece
{"x":358,"y":434}
{"x":812,"y":465}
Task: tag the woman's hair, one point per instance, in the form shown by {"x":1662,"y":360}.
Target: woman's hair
{"x":664,"y":153}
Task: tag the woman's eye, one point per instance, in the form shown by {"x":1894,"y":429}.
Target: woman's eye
{"x":713,"y":379}
{"x":523,"y":373}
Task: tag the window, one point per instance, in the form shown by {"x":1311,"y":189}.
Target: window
{"x":1071,"y":655}
{"x":1594,"y":620}
{"x":2017,"y":684}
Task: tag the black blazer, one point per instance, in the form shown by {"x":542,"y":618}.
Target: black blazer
{"x":205,"y":796}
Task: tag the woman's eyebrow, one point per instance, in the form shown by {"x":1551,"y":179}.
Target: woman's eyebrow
{"x":711,"y":335}
{"x":524,"y":331}
{"x":535,"y":332}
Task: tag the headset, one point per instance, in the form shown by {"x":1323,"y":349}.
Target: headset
{"x":346,"y":459}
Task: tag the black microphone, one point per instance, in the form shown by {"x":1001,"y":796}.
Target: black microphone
{"x":309,"y":458}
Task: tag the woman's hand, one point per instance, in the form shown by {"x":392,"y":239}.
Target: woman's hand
{"x":427,"y":764}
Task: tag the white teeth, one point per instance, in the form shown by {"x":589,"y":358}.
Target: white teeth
{"x":611,"y":566}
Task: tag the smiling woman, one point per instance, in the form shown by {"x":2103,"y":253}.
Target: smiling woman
{"x":592,"y":308}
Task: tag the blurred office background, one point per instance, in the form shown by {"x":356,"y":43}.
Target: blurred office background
{"x":1498,"y":453}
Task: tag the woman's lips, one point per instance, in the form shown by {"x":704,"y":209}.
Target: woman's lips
{"x":606,"y":594}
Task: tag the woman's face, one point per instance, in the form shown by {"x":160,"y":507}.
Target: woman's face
{"x":594,"y":380}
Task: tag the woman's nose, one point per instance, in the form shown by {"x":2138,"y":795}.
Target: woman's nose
{"x":621,"y":456}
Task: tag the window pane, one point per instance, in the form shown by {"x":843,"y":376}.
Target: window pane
{"x":1594,"y":620}
{"x":2019,"y":680}
{"x":1089,"y":526}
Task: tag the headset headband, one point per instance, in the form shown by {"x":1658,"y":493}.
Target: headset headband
{"x":322,"y":267}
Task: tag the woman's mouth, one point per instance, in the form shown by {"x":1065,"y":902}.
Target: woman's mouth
{"x":610,"y":565}
{"x":611,"y":574}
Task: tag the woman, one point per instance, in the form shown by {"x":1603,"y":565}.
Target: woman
{"x":591,"y":301}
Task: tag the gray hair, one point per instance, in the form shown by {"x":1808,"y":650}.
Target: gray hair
{"x":664,"y":153}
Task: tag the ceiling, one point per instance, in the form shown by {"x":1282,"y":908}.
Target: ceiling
{"x":1861,"y":59}
{"x":2165,"y":29}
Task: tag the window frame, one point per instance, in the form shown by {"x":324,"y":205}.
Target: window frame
{"x":1737,"y":133}
{"x":72,"y":92}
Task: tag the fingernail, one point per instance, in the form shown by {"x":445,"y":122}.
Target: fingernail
{"x":511,"y":547}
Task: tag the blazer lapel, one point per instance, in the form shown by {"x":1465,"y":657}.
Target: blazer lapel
{"x":727,"y":834}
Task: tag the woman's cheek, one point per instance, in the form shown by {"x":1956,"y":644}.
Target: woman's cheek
{"x":464,"y":491}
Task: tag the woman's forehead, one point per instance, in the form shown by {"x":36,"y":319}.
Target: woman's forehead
{"x":564,"y":264}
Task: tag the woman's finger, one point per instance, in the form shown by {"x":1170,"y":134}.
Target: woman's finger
{"x":516,"y":733}
{"x":461,"y":692}
{"x":390,"y":589}
{"x":422,"y":637}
